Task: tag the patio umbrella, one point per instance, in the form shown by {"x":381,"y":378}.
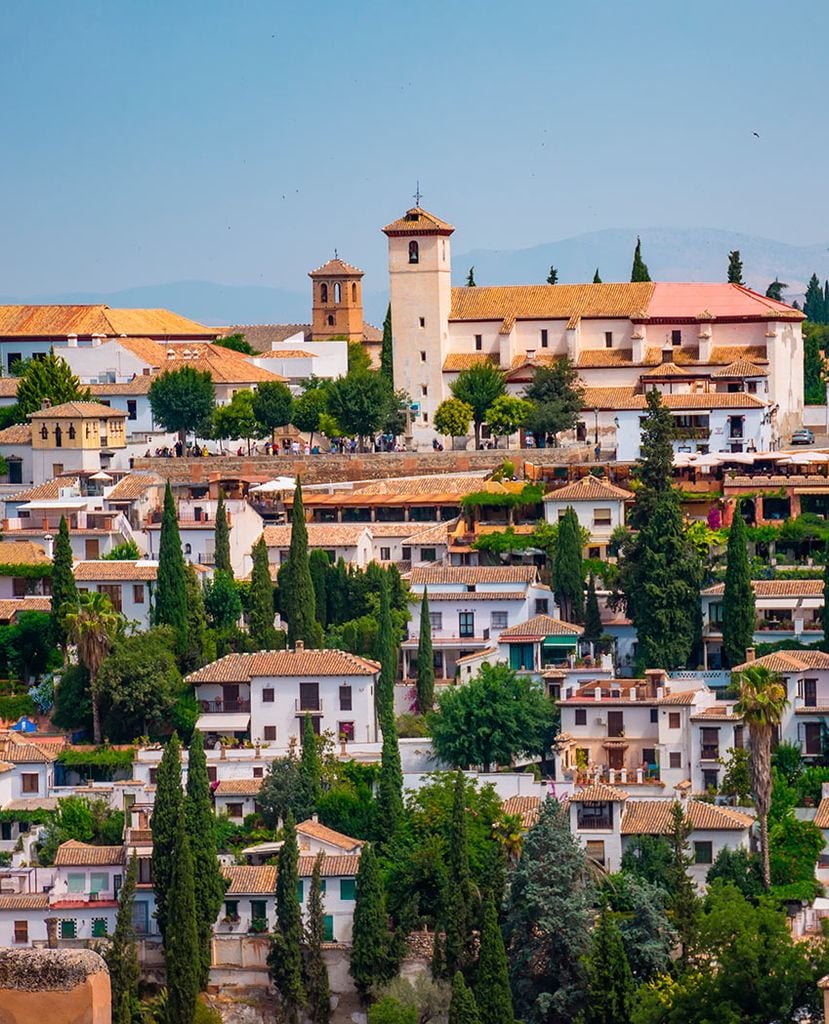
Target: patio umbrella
{"x":281,"y":483}
{"x":101,"y":475}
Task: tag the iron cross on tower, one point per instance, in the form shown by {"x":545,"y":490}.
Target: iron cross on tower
{"x":418,"y":194}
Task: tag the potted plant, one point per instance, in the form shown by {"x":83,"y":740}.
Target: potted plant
{"x":258,"y":926}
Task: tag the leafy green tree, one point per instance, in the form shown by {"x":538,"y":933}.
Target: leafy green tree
{"x":507,"y":414}
{"x":283,"y":791}
{"x":386,"y":653}
{"x":639,"y":270}
{"x":452,"y":417}
{"x":648,"y":935}
{"x":498,"y":715}
{"x":387,"y":349}
{"x":548,"y":919}
{"x":596,"y":278}
{"x":775,"y":290}
{"x":552,"y":277}
{"x":610,"y":984}
{"x":814,"y":370}
{"x":221,"y":535}
{"x":182,"y":960}
{"x":425,"y":660}
{"x":318,"y":565}
{"x":48,"y":379}
{"x":358,"y":403}
{"x":296,"y":594}
{"x":168,"y":806}
{"x":126,"y":552}
{"x":738,"y":599}
{"x":794,"y":848}
{"x":592,"y":615}
{"x":261,"y":612}
{"x":479,"y":386}
{"x":87,"y":821}
{"x":372,"y":962}
{"x":492,"y":989}
{"x":183,"y":400}
{"x":388,"y":1010}
{"x":317,"y":985}
{"x":762,"y":703}
{"x":470,"y":278}
{"x":236,"y":343}
{"x":557,"y":395}
{"x":197,"y":650}
{"x":137,"y":684}
{"x":209,"y":885}
{"x":739,"y":868}
{"x":814,"y":305}
{"x":359,"y":360}
{"x":648,"y":858}
{"x":735,"y":268}
{"x":93,"y":628}
{"x":64,"y":590}
{"x":736,"y":780}
{"x":273,"y":405}
{"x":568,"y":577}
{"x":222,"y":602}
{"x":170,"y":607}
{"x":310,"y":768}
{"x":238,"y":420}
{"x":121,"y":954}
{"x":285,"y":956}
{"x":307,"y":410}
{"x":463,"y":1009}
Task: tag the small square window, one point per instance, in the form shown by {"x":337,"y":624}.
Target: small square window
{"x":542,"y":606}
{"x":267,"y":695}
{"x":236,"y":810}
{"x":269,"y":733}
{"x":498,"y":620}
{"x":21,"y":932}
{"x":703,"y":852}
{"x":676,"y":338}
{"x":479,"y":342}
{"x":422,"y":321}
{"x":385,"y":554}
{"x":581,"y":716}
{"x":69,"y":929}
{"x":673,"y":720}
{"x":231,"y":908}
{"x":675,"y":759}
{"x":31,"y":782}
{"x":99,"y":927}
{"x":138,"y":593}
{"x":258,"y":772}
{"x":348,"y":888}
{"x":436,"y":620}
{"x":428,"y":554}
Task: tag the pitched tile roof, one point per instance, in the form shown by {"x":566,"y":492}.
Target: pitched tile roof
{"x":655,"y":817}
{"x":598,"y":792}
{"x":589,"y":488}
{"x":20,"y":751}
{"x":239,"y":787}
{"x":666,"y":370}
{"x":468,"y":575}
{"x":139,"y":385}
{"x":153,"y":353}
{"x":316,"y":830}
{"x":104,"y":570}
{"x":775,"y":588}
{"x":789,"y":661}
{"x":13,"y":606}
{"x":627,"y":398}
{"x":320,"y":535}
{"x":594,"y":359}
{"x":741,"y":368}
{"x":703,"y":301}
{"x":682,"y":697}
{"x":725,"y":355}
{"x":133,"y":486}
{"x":550,"y":302}
{"x":527,"y":807}
{"x":244,"y":667}
{"x":74,"y":854}
{"x":418,"y":221}
{"x":8,"y":386}
{"x":336,"y":268}
{"x":48,"y":491}
{"x":224,"y":365}
{"x":456,"y":361}
{"x":24,"y":901}
{"x":22,"y":552}
{"x":822,"y":815}
{"x":247,"y":879}
{"x":68,"y":410}
{"x":717,"y":713}
{"x":435,"y":533}
{"x":473,"y":595}
{"x":55,"y":321}
{"x":262,"y":336}
{"x":18,"y":433}
{"x":538,"y":627}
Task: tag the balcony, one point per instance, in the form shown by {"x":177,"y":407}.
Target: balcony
{"x":692,"y":433}
{"x":308,"y":707}
{"x":219,"y":707}
{"x":599,"y":822}
{"x":710,"y":752}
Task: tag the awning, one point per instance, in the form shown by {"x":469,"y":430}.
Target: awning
{"x":223,"y":723}
{"x":561,"y":641}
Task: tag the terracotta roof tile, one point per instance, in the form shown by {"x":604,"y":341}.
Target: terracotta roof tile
{"x":320,"y":535}
{"x":666,"y":370}
{"x":104,"y":570}
{"x":682,"y":697}
{"x":527,"y":807}
{"x":725,"y":355}
{"x":474,"y":595}
{"x":24,"y":901}
{"x":13,"y":606}
{"x":244,"y":667}
{"x":713,"y":301}
{"x":790,"y":661}
{"x":239,"y":787}
{"x":316,"y":830}
{"x":20,"y":751}
{"x":8,"y":386}
{"x":456,"y":361}
{"x":246,"y":879}
{"x":464,"y":575}
{"x":153,"y":353}
{"x":48,"y":491}
{"x":224,"y":365}
{"x":741,"y":368}
{"x":627,"y":398}
{"x":336,"y":268}
{"x":538,"y":627}
{"x":75,"y":854}
{"x":594,"y":359}
{"x":418,"y":221}
{"x":139,"y":385}
{"x":775,"y":588}
{"x":18,"y":433}
{"x":550,"y":302}
{"x":598,"y":792}
{"x":133,"y":486}
{"x":68,"y":410}
{"x":655,"y":817}
{"x":822,"y":815}
{"x":22,"y":552}
{"x":589,"y":488}
{"x":717,"y":713}
{"x":436,"y":533}
{"x":59,"y":321}
{"x":262,"y":336}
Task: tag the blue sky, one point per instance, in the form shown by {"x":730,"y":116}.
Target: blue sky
{"x":240,"y":142}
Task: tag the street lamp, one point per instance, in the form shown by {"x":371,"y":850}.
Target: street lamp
{"x":596,"y":414}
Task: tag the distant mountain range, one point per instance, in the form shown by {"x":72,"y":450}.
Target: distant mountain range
{"x":672,"y":254}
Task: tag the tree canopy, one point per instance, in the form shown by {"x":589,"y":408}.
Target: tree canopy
{"x":556,"y":396}
{"x":183,"y":400}
{"x":49,"y":378}
{"x":479,"y":385}
{"x":639,"y":270}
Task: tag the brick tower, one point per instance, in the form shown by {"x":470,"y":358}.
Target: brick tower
{"x":337,"y":302}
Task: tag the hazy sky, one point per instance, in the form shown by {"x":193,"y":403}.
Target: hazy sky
{"x":147,"y":141}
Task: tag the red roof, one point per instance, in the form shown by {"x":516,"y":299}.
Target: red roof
{"x":680,"y":300}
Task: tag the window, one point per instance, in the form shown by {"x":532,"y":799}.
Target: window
{"x":710,"y":778}
{"x":44,"y":432}
{"x":422,"y":320}
{"x":153,"y":776}
{"x":258,"y":910}
{"x":309,"y":697}
{"x":544,"y":339}
{"x":269,"y":733}
{"x":676,"y":337}
{"x":31,"y":782}
{"x":654,"y":715}
{"x":703,"y":852}
{"x":338,"y":293}
{"x":188,"y":549}
{"x":581,"y":716}
{"x":69,"y":929}
{"x":145,"y":871}
{"x":615,"y":724}
{"x":498,"y":620}
{"x":141,"y":917}
{"x":597,"y":814}
{"x":231,"y":908}
{"x":113,"y":592}
{"x":132,"y":409}
{"x":323,"y":292}
{"x":424,"y":390}
{"x":21,"y":932}
{"x":348,"y":888}
{"x":99,"y":927}
{"x":58,"y":437}
{"x":601,"y":517}
{"x":675,"y":759}
{"x":353,"y":292}
{"x":345,"y":698}
{"x":425,"y":416}
{"x":428,"y":555}
{"x":71,"y":431}
{"x":15,"y":471}
{"x":811,"y":738}
{"x":330,"y":321}
{"x":328,"y":928}
{"x":406,"y":553}
{"x":542,"y":606}
{"x":595,"y":850}
{"x":138,"y":593}
{"x":11,"y":359}
{"x":300,"y":891}
{"x":673,"y":720}
{"x":345,"y":731}
{"x":436,"y":620}
{"x":236,"y":810}
{"x":267,"y":695}
{"x":5,"y":831}
{"x":99,"y":881}
{"x":738,"y":737}
{"x":608,"y":339}
{"x":258,"y":772}
{"x":385,"y":554}
{"x":479,"y":342}
{"x":211,"y":773}
{"x":414,"y":252}
{"x":466,"y":624}
{"x":422,"y":356}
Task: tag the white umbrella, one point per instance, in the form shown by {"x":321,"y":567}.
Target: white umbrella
{"x":804,"y":458}
{"x":281,"y":483}
{"x":101,"y":475}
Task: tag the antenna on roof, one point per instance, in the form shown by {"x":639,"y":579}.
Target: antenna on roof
{"x":418,"y":194}
{"x":336,"y":257}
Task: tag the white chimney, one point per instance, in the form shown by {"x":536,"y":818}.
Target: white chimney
{"x":71,"y":341}
{"x":597,"y":693}
{"x":660,"y":692}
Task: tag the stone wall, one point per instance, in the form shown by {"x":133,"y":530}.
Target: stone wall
{"x":57,"y":986}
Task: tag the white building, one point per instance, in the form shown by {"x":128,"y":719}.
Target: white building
{"x":350,"y":541}
{"x":599,"y":506}
{"x":297,"y":360}
{"x":128,"y":585}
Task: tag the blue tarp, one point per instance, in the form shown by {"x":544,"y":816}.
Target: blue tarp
{"x":24,"y":724}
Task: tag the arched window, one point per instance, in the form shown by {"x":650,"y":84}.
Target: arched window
{"x":188,"y":549}
{"x":331,"y":321}
{"x":44,"y":433}
{"x":58,"y":437}
{"x":71,"y":431}
{"x":338,"y":293}
{"x":414,"y":252}
{"x":354,"y":293}
{"x":323,"y":293}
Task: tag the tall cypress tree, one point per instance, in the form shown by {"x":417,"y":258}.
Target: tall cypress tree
{"x":310,"y":769}
{"x":684,"y":902}
{"x":568,"y":578}
{"x":459,"y":911}
{"x":297,"y":598}
{"x":738,"y":597}
{"x":596,"y":278}
{"x":824,"y":612}
{"x":462,"y":1006}
{"x":319,"y":566}
{"x":122,"y":956}
{"x":170,"y":607}
{"x":610,"y":984}
{"x":260,"y":615}
{"x":316,"y":971}
{"x":196,"y":654}
{"x":592,"y":615}
{"x":387,"y":350}
{"x":552,"y":277}
{"x":813,"y":304}
{"x":386,"y":653}
{"x":201,"y":826}
{"x":735,"y":268}
{"x":169,"y":803}
{"x":639,"y":271}
{"x":181,"y":944}
{"x":64,"y":589}
{"x":389,"y":785}
{"x":371,"y":963}
{"x":285,"y":957}
{"x":221,"y":536}
{"x":425,"y":660}
{"x":492,"y":991}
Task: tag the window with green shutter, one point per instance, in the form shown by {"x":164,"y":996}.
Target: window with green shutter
{"x":300,"y":892}
{"x":328,"y":928}
{"x":348,"y":888}
{"x":99,"y":928}
{"x":68,"y":929}
{"x":76,"y":881}
{"x":99,"y":881}
{"x":258,"y":910}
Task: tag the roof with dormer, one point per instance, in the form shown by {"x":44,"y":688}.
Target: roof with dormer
{"x":539,"y":627}
{"x":598,"y":793}
{"x":418,"y":221}
{"x":741,"y":368}
{"x":336,"y":268}
{"x":86,"y":410}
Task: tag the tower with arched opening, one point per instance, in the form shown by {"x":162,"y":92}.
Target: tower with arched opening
{"x":337,"y":302}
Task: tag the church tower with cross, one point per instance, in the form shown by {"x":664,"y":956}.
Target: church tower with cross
{"x":337,"y":302}
{"x":420,"y":289}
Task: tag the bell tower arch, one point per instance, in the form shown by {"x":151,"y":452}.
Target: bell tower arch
{"x":337,"y":301}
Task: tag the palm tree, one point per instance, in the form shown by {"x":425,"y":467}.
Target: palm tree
{"x":93,"y":627}
{"x":762,"y":703}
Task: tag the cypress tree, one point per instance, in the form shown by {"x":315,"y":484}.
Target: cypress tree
{"x":813,"y":304}
{"x":201,"y":826}
{"x":296,"y":597}
{"x":462,"y":1006}
{"x":735,"y":268}
{"x":492,"y":991}
{"x":169,"y":803}
{"x":285,"y":957}
{"x":387,"y":350}
{"x":336,"y":592}
{"x":639,"y":271}
{"x":181,"y":943}
{"x":738,"y":597}
{"x":319,"y":566}
{"x":370,"y":953}
{"x":824,"y":612}
{"x":122,"y":956}
{"x":568,"y":578}
{"x":197,"y":642}
{"x":592,"y":616}
{"x":221,"y":536}
{"x":310,"y":769}
{"x":171,"y":581}
{"x":775,"y":290}
{"x":460,"y":910}
{"x":596,"y":278}
{"x":385,"y":652}
{"x":260,"y":615}
{"x":425,"y":660}
{"x":470,"y":278}
{"x":64,"y":589}
{"x":389,"y":785}
{"x":610,"y":984}
{"x":684,"y":902}
{"x":316,"y":971}
{"x":552,"y":277}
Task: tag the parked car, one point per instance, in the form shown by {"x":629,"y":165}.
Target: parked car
{"x":803,"y":436}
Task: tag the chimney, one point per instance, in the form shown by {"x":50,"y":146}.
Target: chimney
{"x":729,"y":709}
{"x":660,"y":692}
{"x":71,"y":341}
{"x":48,"y":540}
{"x":315,"y":816}
{"x":597,"y":693}
{"x":299,"y":646}
{"x":751,"y":654}
{"x":45,"y":404}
